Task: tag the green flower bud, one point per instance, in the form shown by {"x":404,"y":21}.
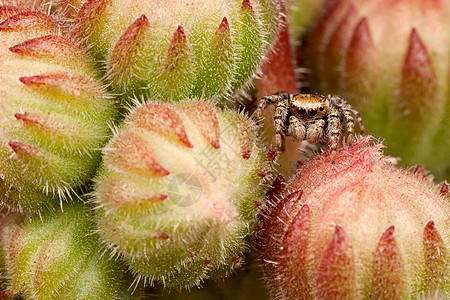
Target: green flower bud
{"x":170,"y":48}
{"x":60,"y":257}
{"x":53,"y":113}
{"x":178,"y":192}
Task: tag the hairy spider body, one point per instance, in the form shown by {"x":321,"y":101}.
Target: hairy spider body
{"x":312,"y":117}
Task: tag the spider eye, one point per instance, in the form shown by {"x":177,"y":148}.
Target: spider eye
{"x":312,"y":112}
{"x":292,"y":105}
{"x":321,"y":108}
{"x":301,"y":111}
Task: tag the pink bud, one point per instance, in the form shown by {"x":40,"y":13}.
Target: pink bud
{"x":361,"y":228}
{"x":390,"y":60}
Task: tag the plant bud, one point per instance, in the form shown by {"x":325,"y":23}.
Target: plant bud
{"x":360,"y":228}
{"x":179,"y":189}
{"x":59,"y":257}
{"x":53,"y":113}
{"x":170,"y":48}
{"x":391,"y":60}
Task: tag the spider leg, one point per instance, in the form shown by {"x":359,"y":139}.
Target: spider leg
{"x":280,"y":117}
{"x":264,"y":101}
{"x":315,"y":131}
{"x":359,"y":120}
{"x":350,"y":123}
{"x":296,"y":128}
{"x":341,"y":102}
{"x":334,"y":129}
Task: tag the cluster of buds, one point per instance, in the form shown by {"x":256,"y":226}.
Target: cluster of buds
{"x":58,"y":257}
{"x":357,"y":229}
{"x":172,"y":49}
{"x":53,"y":113}
{"x":179,"y":189}
{"x":391,"y":60}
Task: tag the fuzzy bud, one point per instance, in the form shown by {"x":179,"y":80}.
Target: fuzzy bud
{"x":389,"y":59}
{"x":357,"y":229}
{"x":54,"y":115}
{"x":59,"y":257}
{"x":178,"y":192}
{"x":170,"y":48}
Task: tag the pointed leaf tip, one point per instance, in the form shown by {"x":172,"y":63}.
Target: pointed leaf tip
{"x":437,"y":259}
{"x":293,"y":257}
{"x":52,"y":47}
{"x":205,"y":119}
{"x":336,"y":277}
{"x":224,"y":25}
{"x":22,"y":149}
{"x":162,"y":120}
{"x":142,"y":20}
{"x":26,"y":118}
{"x":62,"y":87}
{"x":178,"y":53}
{"x":132,"y":34}
{"x":179,"y":37}
{"x":278,"y":72}
{"x":135,"y":155}
{"x":418,"y":80}
{"x":417,"y":55}
{"x":362,"y":57}
{"x":222,"y":38}
{"x":246,"y":5}
{"x":388,"y":270}
{"x":125,"y":54}
{"x":28,"y":20}
{"x":444,"y":191}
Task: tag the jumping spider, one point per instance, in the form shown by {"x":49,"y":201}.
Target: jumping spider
{"x":312,"y":117}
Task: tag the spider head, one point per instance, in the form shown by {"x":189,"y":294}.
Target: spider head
{"x":309,"y":106}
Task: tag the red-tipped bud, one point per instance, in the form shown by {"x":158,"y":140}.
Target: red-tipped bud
{"x":56,"y":115}
{"x":360,"y":219}
{"x":172,"y":49}
{"x":362,"y":58}
{"x":176,"y":190}
{"x":390,"y":60}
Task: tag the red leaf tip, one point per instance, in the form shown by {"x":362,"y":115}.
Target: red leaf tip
{"x":336,"y":275}
{"x":224,"y":25}
{"x":246,"y":5}
{"x":444,"y":190}
{"x":161,"y":235}
{"x":179,"y":36}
